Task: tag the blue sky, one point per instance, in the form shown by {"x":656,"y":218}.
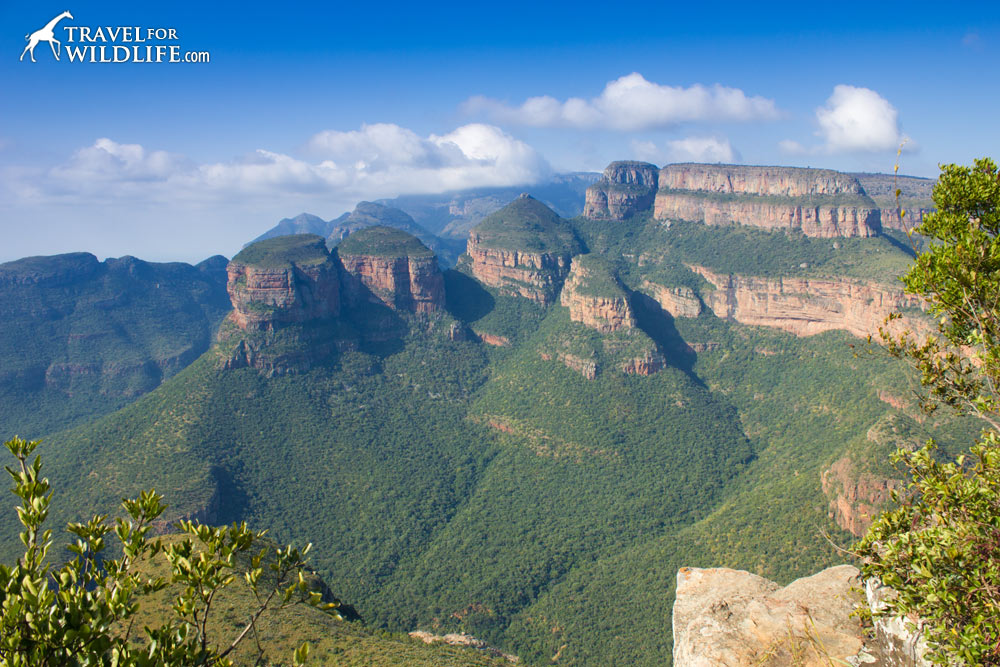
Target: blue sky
{"x":315,"y":106}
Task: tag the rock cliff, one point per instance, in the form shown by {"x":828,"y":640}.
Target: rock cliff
{"x":737,"y":619}
{"x":730,"y":617}
{"x":678,"y":301}
{"x":856,"y":496}
{"x":283,"y":280}
{"x":594,"y":296}
{"x":808,"y":306}
{"x":626,"y":188}
{"x":817,"y":202}
{"x":385,"y":265}
{"x":524,"y":249}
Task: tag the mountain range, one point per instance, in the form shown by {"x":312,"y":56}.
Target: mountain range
{"x":525,"y":446}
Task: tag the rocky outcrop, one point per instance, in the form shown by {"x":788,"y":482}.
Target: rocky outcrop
{"x":738,"y":179}
{"x":678,"y":301}
{"x":856,"y":497}
{"x":388,"y":266}
{"x":284,"y":280}
{"x":647,"y":364}
{"x":817,"y":202}
{"x":891,"y":218}
{"x":737,"y":619}
{"x":535,"y":276}
{"x":595,"y":298}
{"x":808,"y":306}
{"x":729,"y":617}
{"x":626,"y":188}
{"x":524,"y":249}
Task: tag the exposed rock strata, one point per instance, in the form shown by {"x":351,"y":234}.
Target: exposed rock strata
{"x":605,"y":311}
{"x":678,"y":301}
{"x":856,"y":497}
{"x":647,"y":364}
{"x":817,"y":202}
{"x":269,"y":294}
{"x":524,"y":249}
{"x":729,"y":617}
{"x":808,"y":306}
{"x":413,"y":284}
{"x":626,"y":188}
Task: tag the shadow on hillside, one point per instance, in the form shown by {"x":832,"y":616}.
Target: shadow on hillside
{"x":659,"y":325}
{"x":466,"y":299}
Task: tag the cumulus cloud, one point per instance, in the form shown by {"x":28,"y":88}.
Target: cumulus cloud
{"x":632,"y":103}
{"x":687,"y":149}
{"x":380,"y":160}
{"x":854,"y":120}
{"x":858,"y":119}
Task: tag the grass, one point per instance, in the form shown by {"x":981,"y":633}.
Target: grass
{"x":527,"y":225}
{"x":284,"y":252}
{"x":383,"y":241}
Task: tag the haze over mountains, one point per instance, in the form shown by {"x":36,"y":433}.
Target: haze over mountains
{"x":525,"y":446}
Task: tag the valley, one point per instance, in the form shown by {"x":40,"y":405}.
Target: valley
{"x":522,"y":437}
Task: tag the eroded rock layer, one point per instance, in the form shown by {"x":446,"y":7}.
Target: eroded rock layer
{"x":594,"y":297}
{"x":285,"y":280}
{"x":808,"y":306}
{"x":412,"y":284}
{"x":817,"y":202}
{"x":731,"y":617}
{"x":626,"y":188}
{"x":524,"y":249}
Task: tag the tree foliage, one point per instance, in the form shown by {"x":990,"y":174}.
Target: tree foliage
{"x":79,"y":613}
{"x":940,"y":548}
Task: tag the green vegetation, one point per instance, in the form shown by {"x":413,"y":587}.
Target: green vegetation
{"x":528,"y":225}
{"x":81,"y":338}
{"x":383,"y":242}
{"x":596,"y":277}
{"x":914,"y":192}
{"x":938,"y":548}
{"x":284,"y":252}
{"x":82,"y":612}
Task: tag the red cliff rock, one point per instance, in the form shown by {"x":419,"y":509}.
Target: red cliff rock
{"x":625,"y":189}
{"x":856,"y":497}
{"x":524,"y":249}
{"x":818,"y":202}
{"x":285,"y":280}
{"x":594,"y":297}
{"x":678,"y":301}
{"x":808,"y":306}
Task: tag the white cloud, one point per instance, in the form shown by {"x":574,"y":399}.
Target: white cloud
{"x":632,"y":103}
{"x":858,"y":120}
{"x":854,"y":120}
{"x":381,"y":160}
{"x":688,"y":149}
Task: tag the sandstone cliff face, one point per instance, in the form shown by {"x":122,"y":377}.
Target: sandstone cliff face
{"x":603,"y":312}
{"x":266,"y":293}
{"x":781,"y":181}
{"x":818,"y":202}
{"x":413,"y":284}
{"x":730,"y":617}
{"x":856,"y":497}
{"x":914,"y":216}
{"x":535,"y":276}
{"x":678,"y":301}
{"x":808,"y":306}
{"x":818,"y":221}
{"x":626,"y":188}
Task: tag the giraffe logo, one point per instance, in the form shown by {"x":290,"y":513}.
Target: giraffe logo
{"x":45,"y":35}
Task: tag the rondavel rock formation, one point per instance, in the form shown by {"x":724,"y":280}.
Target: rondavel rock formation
{"x":626,"y":188}
{"x":524,"y":249}
{"x":291,"y":289}
{"x":732,"y":618}
{"x":817,"y":202}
